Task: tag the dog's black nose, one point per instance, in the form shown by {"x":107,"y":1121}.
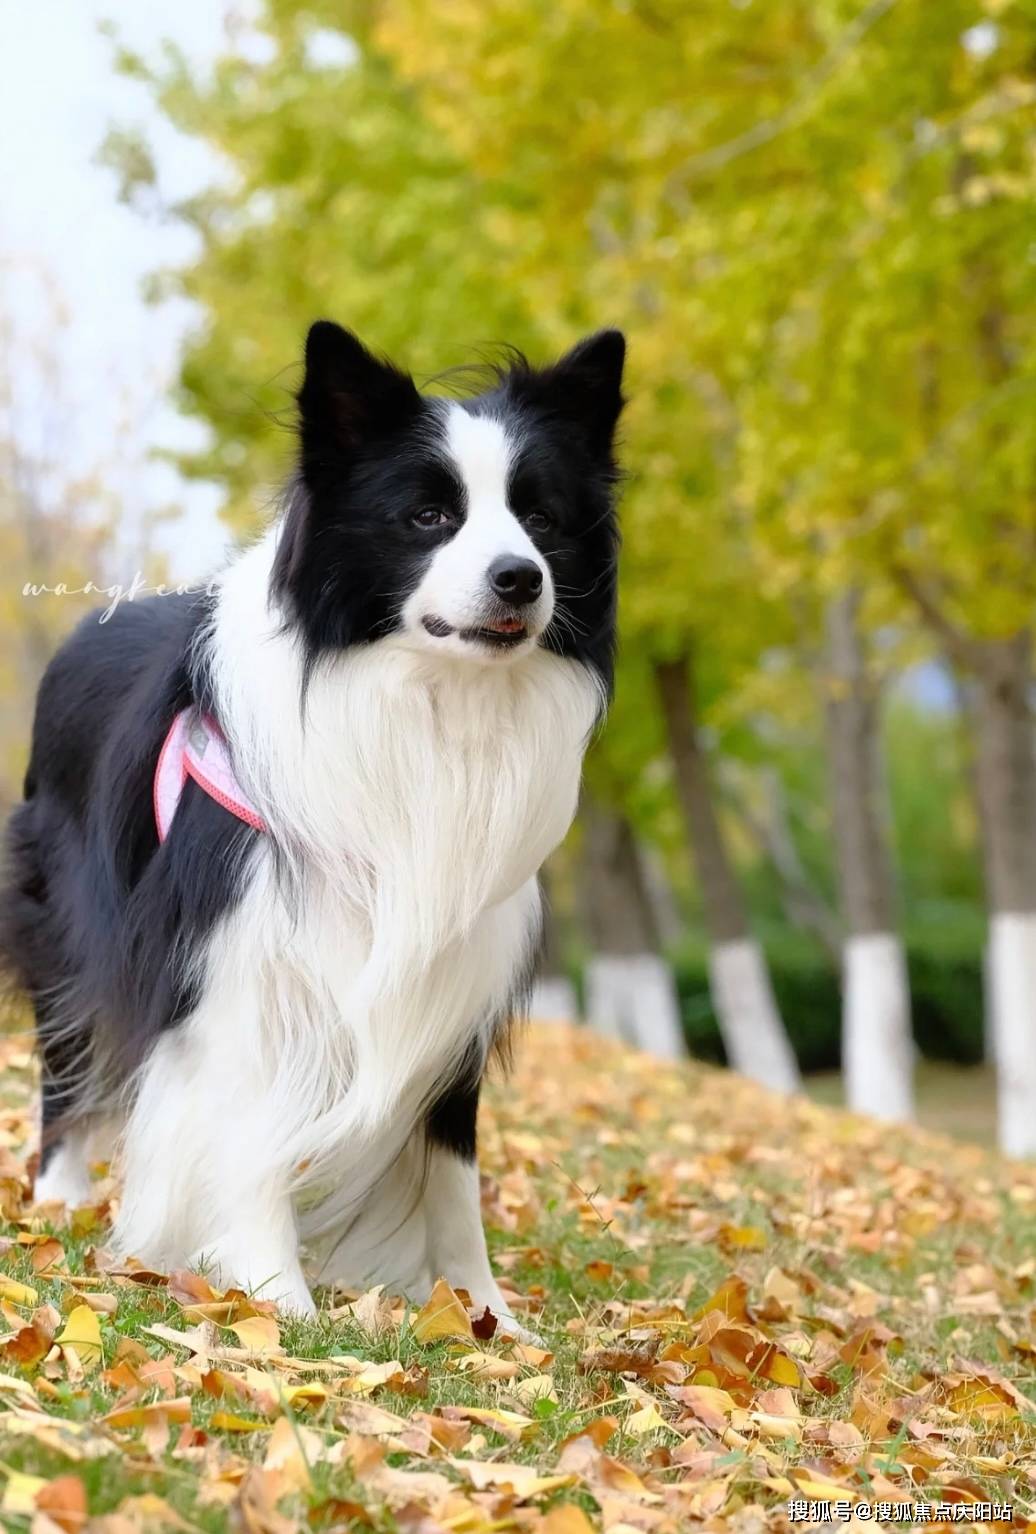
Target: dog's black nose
{"x":516,"y":580}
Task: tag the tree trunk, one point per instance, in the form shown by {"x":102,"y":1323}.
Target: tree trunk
{"x":746,"y":1010}
{"x":666,"y":916}
{"x":1006,"y":769}
{"x":803,"y":905}
{"x":877,"y":1043}
{"x":630,"y":992}
{"x":553,"y":994}
{"x":967,"y":723}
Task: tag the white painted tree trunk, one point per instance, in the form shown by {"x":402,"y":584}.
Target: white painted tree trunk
{"x":742,"y":995}
{"x":877,"y":1048}
{"x":746,"y":1010}
{"x":1012,"y":966}
{"x":988,"y":1005}
{"x":632,"y":997}
{"x":554,"y":1000}
{"x":1005,"y":764}
{"x":877,"y":1038}
{"x":630,"y":992}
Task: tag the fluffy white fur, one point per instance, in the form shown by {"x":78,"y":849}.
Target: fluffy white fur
{"x":67,"y":1177}
{"x":411,"y":798}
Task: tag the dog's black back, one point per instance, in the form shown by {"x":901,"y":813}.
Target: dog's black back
{"x":95,"y":913}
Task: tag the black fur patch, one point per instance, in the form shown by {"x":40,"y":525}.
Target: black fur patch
{"x":96,"y":917}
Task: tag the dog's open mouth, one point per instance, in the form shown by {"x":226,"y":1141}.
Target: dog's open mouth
{"x":501,"y":632}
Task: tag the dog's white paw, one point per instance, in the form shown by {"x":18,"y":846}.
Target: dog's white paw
{"x":509,"y":1326}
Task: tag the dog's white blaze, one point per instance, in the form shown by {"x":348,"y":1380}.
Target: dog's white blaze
{"x":412,"y":802}
{"x":455,"y":587}
{"x":483,"y":450}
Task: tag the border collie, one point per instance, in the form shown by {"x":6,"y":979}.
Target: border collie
{"x":279,"y":1000}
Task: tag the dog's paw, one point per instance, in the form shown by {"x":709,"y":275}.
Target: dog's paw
{"x":509,"y":1326}
{"x":296,"y":1305}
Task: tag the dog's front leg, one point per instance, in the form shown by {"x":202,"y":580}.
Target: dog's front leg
{"x":259,"y":1252}
{"x":203,"y":1186}
{"x":453,"y":1211}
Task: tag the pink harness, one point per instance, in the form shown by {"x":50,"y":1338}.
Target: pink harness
{"x":197,"y":748}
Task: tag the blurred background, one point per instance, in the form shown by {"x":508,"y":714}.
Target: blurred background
{"x":808,"y":841}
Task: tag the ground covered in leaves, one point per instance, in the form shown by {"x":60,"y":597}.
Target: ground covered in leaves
{"x":746,"y":1305}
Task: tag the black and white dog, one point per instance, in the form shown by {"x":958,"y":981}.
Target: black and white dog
{"x":272,"y":888}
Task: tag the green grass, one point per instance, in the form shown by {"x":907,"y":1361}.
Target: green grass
{"x":621,"y":1194}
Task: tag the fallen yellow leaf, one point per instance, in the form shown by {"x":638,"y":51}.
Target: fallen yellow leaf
{"x":82,"y":1337}
{"x":442,"y":1316}
{"x":750,"y":1238}
{"x":647,"y":1420}
{"x":523,"y":1481}
{"x":230,"y":1422}
{"x":17,"y":1293}
{"x":567,"y":1519}
{"x":261,"y":1334}
{"x":135,"y":1415}
{"x":21,"y":1492}
{"x":535,"y":1387}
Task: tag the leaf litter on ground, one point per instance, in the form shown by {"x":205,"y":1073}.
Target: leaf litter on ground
{"x":742,"y":1300}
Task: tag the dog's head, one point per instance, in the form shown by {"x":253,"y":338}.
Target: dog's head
{"x":477,"y":529}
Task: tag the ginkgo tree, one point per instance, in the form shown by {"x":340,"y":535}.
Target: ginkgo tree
{"x":905,"y":338}
{"x":345,"y":197}
{"x":599,"y":223}
{"x":812,"y":218}
{"x":330,"y":197}
{"x":845,"y":250}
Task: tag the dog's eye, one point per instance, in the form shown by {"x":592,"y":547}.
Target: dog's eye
{"x":432,"y":516}
{"x":539,"y":521}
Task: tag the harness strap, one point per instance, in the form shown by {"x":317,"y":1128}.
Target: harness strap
{"x":196,"y":747}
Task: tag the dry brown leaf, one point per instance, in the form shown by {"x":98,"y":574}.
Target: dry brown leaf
{"x":47,"y":1255}
{"x":523,"y":1481}
{"x":255,"y":1509}
{"x":511,"y":1425}
{"x":483,"y":1366}
{"x":291,"y":1451}
{"x":373,"y":1311}
{"x":64,"y":1502}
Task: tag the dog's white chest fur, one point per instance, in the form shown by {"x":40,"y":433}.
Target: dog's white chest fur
{"x":381,"y":930}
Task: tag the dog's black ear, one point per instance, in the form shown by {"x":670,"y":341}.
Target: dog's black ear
{"x":348,"y":395}
{"x":585,"y":385}
{"x":594,"y":366}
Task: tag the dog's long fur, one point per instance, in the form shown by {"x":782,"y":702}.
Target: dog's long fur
{"x":287,"y":1029}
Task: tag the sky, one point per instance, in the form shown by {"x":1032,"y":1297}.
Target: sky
{"x":63,"y":231}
